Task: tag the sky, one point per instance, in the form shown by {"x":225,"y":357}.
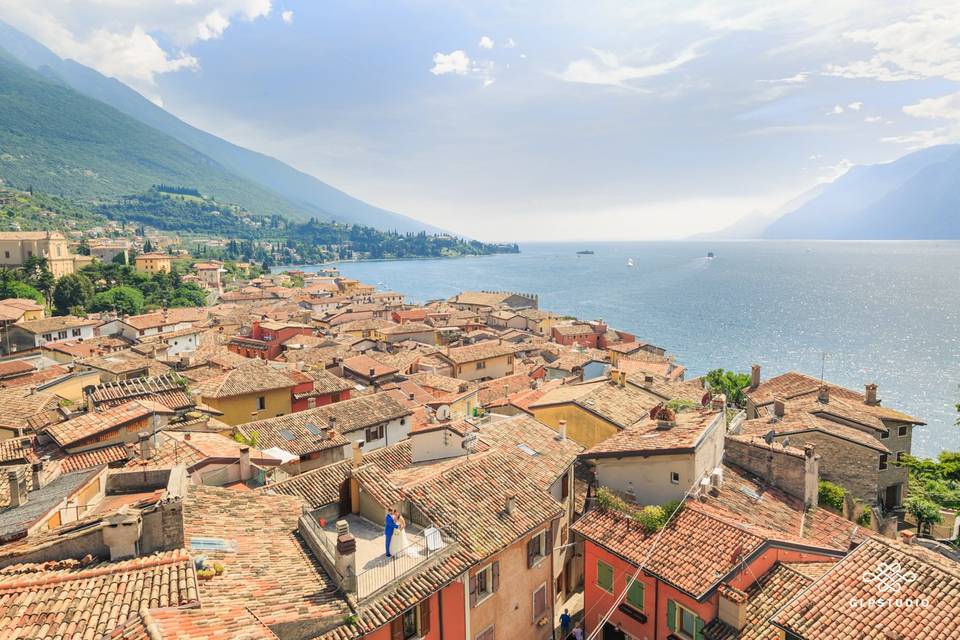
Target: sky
{"x":540,"y":120}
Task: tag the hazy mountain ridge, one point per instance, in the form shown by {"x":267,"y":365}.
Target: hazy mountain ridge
{"x":303,"y":195}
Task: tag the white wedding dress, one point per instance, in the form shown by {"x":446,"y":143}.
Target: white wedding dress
{"x":400,"y":544}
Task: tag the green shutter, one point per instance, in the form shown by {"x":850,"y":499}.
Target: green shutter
{"x":671,"y":615}
{"x":604,"y":576}
{"x":698,"y":626}
{"x":635,"y":595}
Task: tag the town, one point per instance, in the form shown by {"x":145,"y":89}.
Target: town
{"x":206,"y":449}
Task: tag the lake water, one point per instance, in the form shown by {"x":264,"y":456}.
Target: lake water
{"x":884,"y":312}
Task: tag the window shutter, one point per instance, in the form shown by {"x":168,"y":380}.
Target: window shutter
{"x":565,"y":487}
{"x":698,"y":626}
{"x":531,"y":551}
{"x":671,"y":615}
{"x":425,"y":617}
{"x":473,"y":591}
{"x":551,"y":542}
{"x":396,"y":628}
{"x":495,"y":572}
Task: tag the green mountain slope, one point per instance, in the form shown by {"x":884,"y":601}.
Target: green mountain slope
{"x":313,"y":195}
{"x":56,"y":140}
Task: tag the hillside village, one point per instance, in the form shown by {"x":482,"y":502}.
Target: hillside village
{"x":225,"y":471}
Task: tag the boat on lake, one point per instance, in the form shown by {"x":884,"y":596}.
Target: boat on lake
{"x":630,"y":262}
{"x":585,"y":252}
{"x":710,"y":255}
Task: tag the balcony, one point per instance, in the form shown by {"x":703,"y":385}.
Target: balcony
{"x":369,"y":572}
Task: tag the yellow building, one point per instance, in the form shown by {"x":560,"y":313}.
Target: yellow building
{"x":20,"y":310}
{"x":153,"y":263}
{"x":251,"y":392}
{"x":16,"y":247}
{"x":594,"y":411}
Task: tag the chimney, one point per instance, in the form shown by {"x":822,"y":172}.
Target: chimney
{"x":346,"y":554}
{"x":37,"y":470}
{"x":648,"y":379}
{"x":623,"y":378}
{"x":871,"y":396}
{"x":357,"y":454}
{"x":91,"y":407}
{"x":332,"y":423}
{"x":733,"y":606}
{"x":718,"y":402}
{"x":122,"y":534}
{"x":373,"y":374}
{"x":511,"y":504}
{"x":18,"y":488}
{"x":779,"y":407}
{"x":146,"y":445}
{"x":562,"y":433}
{"x":755,"y":376}
{"x":411,"y":396}
{"x":823,"y":396}
{"x":245,"y":473}
{"x":666,"y":418}
{"x":811,"y":476}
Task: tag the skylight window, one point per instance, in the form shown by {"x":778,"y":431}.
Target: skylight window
{"x":212,"y":544}
{"x":526,"y":449}
{"x":314,"y":429}
{"x":286,"y":435}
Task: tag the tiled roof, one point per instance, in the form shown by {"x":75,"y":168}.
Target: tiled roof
{"x":270,"y":571}
{"x":57,"y":323}
{"x":17,"y":451}
{"x":793,"y":386}
{"x":362,"y":365}
{"x":18,"y":406}
{"x":248,"y":378}
{"x":491,"y":390}
{"x":37,"y":378}
{"x":16,"y":521}
{"x":206,"y":623}
{"x":74,"y":599}
{"x":193,"y":448}
{"x":89,"y":424}
{"x":15,"y":367}
{"x":325,"y":382}
{"x":351,"y":415}
{"x":621,"y":406}
{"x":165,"y":389}
{"x":800,"y":422}
{"x":407,"y":327}
{"x":647,"y":437}
{"x":119,"y":362}
{"x":690,"y":390}
{"x":481,"y":351}
{"x":481,"y":298}
{"x":94,"y":458}
{"x":552,"y":455}
{"x":175,"y":315}
{"x":829,"y":608}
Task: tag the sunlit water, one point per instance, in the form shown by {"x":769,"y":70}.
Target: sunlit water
{"x":881,"y":311}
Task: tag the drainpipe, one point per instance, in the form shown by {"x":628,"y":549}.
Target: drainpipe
{"x":656,"y":605}
{"x":440,"y":611}
{"x":466,"y":608}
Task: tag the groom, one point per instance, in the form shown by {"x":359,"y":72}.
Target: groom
{"x":388,"y":527}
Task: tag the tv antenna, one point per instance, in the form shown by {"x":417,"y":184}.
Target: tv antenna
{"x":824,"y":355}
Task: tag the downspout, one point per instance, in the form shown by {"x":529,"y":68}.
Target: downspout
{"x":440,"y":611}
{"x":466,"y":603}
{"x":656,"y":605}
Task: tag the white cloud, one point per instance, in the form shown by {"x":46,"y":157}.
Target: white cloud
{"x":486,"y":42}
{"x":798,"y":78}
{"x":832,"y":172}
{"x":837,"y":109}
{"x":873,"y":119}
{"x":287,"y":16}
{"x":923,"y":45}
{"x":609,"y":69}
{"x":457,"y":62}
{"x":945,"y":109}
{"x":510,"y":43}
{"x":855,"y":106}
{"x":212,"y":26}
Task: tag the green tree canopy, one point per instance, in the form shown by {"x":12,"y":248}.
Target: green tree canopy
{"x":12,"y":287}
{"x":123,"y":299}
{"x":72,"y":290}
{"x":925,"y":512}
{"x":729,"y":383}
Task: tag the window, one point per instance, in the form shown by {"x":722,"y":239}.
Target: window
{"x":509,"y":359}
{"x":604,"y":576}
{"x":563,"y":535}
{"x":76,"y":333}
{"x":539,"y":603}
{"x":374,"y":433}
{"x":61,"y":335}
{"x":635,"y":595}
{"x":538,"y":547}
{"x":484,"y":583}
{"x":902,"y":431}
{"x":486,"y":634}
{"x":6,"y":254}
{"x":481,"y":365}
{"x":48,"y":337}
{"x":899,"y":456}
{"x":884,"y":435}
{"x":414,"y":623}
{"x":883,"y":461}
{"x":261,"y":403}
{"x":565,"y":487}
{"x":674,"y":477}
{"x":683,"y":621}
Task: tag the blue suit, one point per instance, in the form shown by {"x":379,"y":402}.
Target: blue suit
{"x":388,"y":527}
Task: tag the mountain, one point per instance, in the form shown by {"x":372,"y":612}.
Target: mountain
{"x":914,"y":197}
{"x":753,"y":225}
{"x":306,"y":195}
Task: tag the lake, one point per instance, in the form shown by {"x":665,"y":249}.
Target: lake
{"x":884,"y":312}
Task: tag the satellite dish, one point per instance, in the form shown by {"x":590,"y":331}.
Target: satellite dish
{"x":768,"y":438}
{"x":443,"y":412}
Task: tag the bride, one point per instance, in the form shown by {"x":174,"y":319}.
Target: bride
{"x":400,"y":545}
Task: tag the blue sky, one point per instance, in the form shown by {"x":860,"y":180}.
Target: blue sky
{"x":540,"y":120}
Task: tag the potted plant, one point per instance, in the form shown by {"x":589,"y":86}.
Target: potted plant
{"x":205,"y":574}
{"x":218,"y":568}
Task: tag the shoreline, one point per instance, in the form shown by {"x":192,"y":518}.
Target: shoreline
{"x":287,"y":267}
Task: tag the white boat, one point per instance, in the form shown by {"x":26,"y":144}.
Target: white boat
{"x":630,"y":262}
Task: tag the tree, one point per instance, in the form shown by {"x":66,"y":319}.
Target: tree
{"x":72,"y":290}
{"x":926,"y":512}
{"x":148,"y":246}
{"x":123,"y":299}
{"x":36,"y":273}
{"x":83,"y":248}
{"x":12,"y":287}
{"x":729,"y":383}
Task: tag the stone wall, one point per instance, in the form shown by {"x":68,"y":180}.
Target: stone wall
{"x":789,"y":469}
{"x":852,"y":466}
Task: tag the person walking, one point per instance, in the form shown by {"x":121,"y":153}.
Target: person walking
{"x":389,"y":525}
{"x":565,"y":624}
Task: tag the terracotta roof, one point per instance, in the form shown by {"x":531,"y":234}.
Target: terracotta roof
{"x":270,"y":570}
{"x":94,"y":458}
{"x":351,"y":415}
{"x":90,"y":424}
{"x":37,"y":378}
{"x":879,"y":570}
{"x":15,"y":367}
{"x":690,"y":390}
{"x":175,"y":315}
{"x":84,"y":348}
{"x":799,"y":422}
{"x":481,"y":298}
{"x":361,"y":366}
{"x":58,"y":323}
{"x":77,"y":599}
{"x":647,"y":437}
{"x":119,"y":362}
{"x":440,"y":385}
{"x":193,"y":449}
{"x":325,"y":382}
{"x":249,"y":378}
{"x":621,"y":406}
{"x":15,"y":522}
{"x":165,"y":389}
{"x":18,"y":406}
{"x":206,"y":623}
{"x":481,"y":351}
{"x":17,"y":451}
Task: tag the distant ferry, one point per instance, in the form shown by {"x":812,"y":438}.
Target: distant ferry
{"x":585,"y":252}
{"x":710,"y":254}
{"x":630,"y":262}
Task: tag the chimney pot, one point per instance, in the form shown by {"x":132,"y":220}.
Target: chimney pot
{"x":511,"y":504}
{"x":562,"y":434}
{"x":18,"y":489}
{"x":245,"y":471}
{"x":648,"y":378}
{"x":871,"y":395}
{"x":755,"y":376}
{"x":357,"y":449}
{"x":779,"y":407}
{"x":146,"y":445}
{"x":823,"y":396}
{"x":37,"y":470}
